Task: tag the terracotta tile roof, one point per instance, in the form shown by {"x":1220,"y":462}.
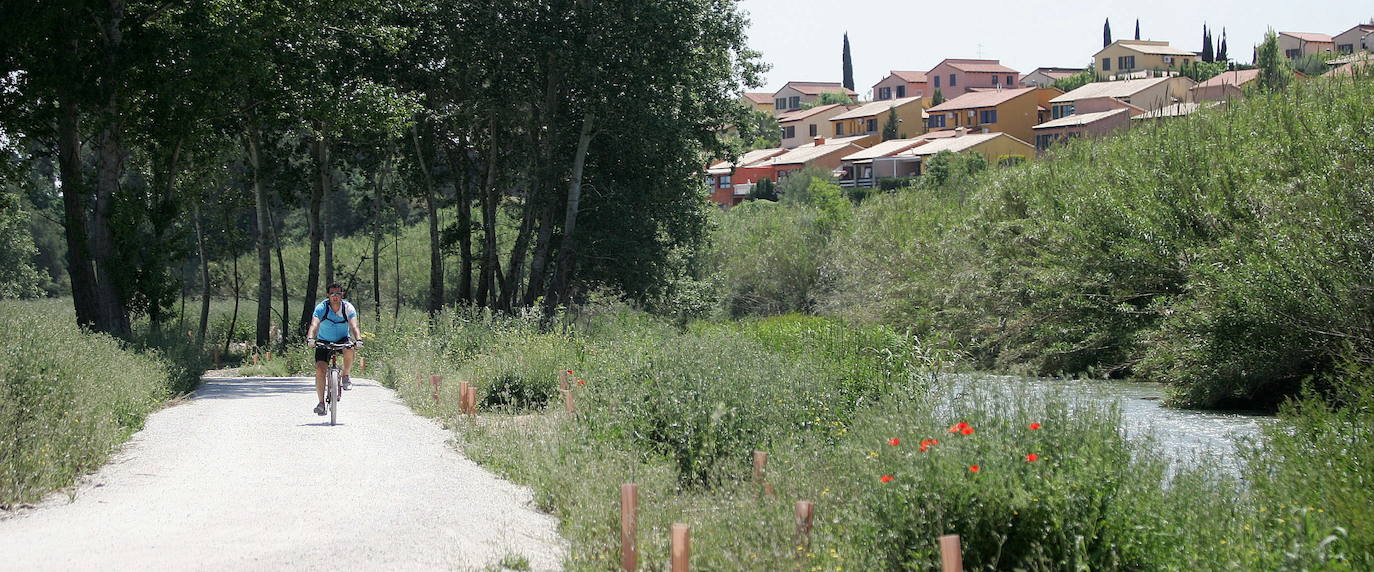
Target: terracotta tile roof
{"x":802,"y":155}
{"x":749,"y":157}
{"x":910,"y":76}
{"x":760,"y":97}
{"x":855,"y":139}
{"x":1080,"y":119}
{"x":875,"y":108}
{"x":818,"y":87}
{"x":805,"y":113}
{"x":1124,"y":88}
{"x":890,"y":147}
{"x":1236,"y":78}
{"x":990,"y":66}
{"x":1308,"y":36}
{"x":975,"y":99}
{"x":1156,"y":48}
{"x":1177,"y":110}
{"x":954,"y":144}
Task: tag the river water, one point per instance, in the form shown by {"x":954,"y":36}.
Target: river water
{"x":1185,"y":435}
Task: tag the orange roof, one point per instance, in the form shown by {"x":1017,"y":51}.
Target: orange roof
{"x":805,"y":113}
{"x":818,"y":87}
{"x":1152,"y":47}
{"x":911,"y":76}
{"x":1236,"y":78}
{"x":975,"y":99}
{"x":989,"y":66}
{"x":802,"y":155}
{"x":875,"y":108}
{"x":760,"y":97}
{"x":1308,"y":36}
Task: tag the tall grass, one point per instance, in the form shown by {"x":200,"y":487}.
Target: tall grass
{"x":68,"y":398}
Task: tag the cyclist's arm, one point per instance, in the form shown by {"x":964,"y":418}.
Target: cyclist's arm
{"x":353,"y":325}
{"x":314,"y":326}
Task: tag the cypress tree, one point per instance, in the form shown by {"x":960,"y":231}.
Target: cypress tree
{"x":1207,"y":54}
{"x":1221,"y":51}
{"x":848,"y":65}
{"x":937,"y":99}
{"x":1137,"y":28}
{"x":1107,"y":32}
{"x":1274,"y":72}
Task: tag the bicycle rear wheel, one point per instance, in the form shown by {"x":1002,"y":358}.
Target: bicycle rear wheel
{"x":332,"y":395}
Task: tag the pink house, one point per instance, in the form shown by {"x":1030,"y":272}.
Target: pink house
{"x":1092,"y":117}
{"x":954,"y":77}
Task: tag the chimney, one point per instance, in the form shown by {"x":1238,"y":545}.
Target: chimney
{"x":960,"y":131}
{"x":819,"y":141}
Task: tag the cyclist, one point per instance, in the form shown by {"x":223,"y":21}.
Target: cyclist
{"x":334,"y":319}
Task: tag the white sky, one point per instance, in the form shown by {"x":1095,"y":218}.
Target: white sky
{"x":802,"y":39}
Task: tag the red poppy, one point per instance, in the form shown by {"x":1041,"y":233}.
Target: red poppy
{"x":894,"y":441}
{"x":885,"y":478}
{"x":1031,"y":458}
{"x":973,"y":468}
{"x":960,"y":426}
{"x":570,"y":372}
{"x":582,"y":382}
{"x":967,"y":431}
{"x":1034,"y":426}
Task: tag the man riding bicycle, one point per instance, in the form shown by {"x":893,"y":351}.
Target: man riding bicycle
{"x":334,"y":319}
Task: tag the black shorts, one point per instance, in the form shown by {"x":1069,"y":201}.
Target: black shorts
{"x":322,"y":353}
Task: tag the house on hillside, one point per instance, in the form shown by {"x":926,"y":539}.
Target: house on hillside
{"x":1128,"y":58}
{"x":870,"y":118}
{"x":1176,"y":110}
{"x":1092,"y":117}
{"x":900,"y":84}
{"x":955,"y":77}
{"x":720,"y":176}
{"x":904,"y":158}
{"x":797,"y":94}
{"x":1346,"y":65}
{"x":759,"y":101}
{"x":1012,"y":111}
{"x":1357,"y":39}
{"x":1298,"y":44}
{"x":1149,"y":94}
{"x":1225,"y":86}
{"x":1043,"y":77}
{"x":804,"y":125}
{"x":821,"y":153}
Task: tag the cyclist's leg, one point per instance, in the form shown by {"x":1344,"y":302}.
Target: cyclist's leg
{"x":319,"y":379}
{"x":347,"y":366}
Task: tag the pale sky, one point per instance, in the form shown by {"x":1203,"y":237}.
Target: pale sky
{"x":802,"y":39}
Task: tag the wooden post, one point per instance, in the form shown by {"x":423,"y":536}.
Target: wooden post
{"x":761,"y":472}
{"x":951,"y":558}
{"x":269,"y":356}
{"x":568,"y":401}
{"x":804,"y":511}
{"x":362,"y":364}
{"x":629,"y":509}
{"x":681,"y":547}
{"x":563,"y":380}
{"x":434,"y":381}
{"x":472,"y":400}
{"x":463,"y":396}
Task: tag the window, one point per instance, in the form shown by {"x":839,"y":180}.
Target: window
{"x":937,"y":81}
{"x":813,"y":129}
{"x":1291,"y":54}
{"x":1106,"y":64}
{"x":901,"y":91}
{"x":1043,"y":142}
{"x":884,"y":93}
{"x":1062,"y":110}
{"x":936,"y":121}
{"x":724,"y":182}
{"x":1124,"y":63}
{"x":780,"y":103}
{"x":789,"y":132}
{"x":1011,"y":80}
{"x":995,"y":79}
{"x":839,"y":128}
{"x":872,"y":125}
{"x":953,"y":80}
{"x":1346,"y":48}
{"x":794,"y":102}
{"x":987,"y":116}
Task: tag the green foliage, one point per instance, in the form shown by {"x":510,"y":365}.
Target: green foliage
{"x":67,"y":398}
{"x":766,"y":257}
{"x":1275,"y":71}
{"x":937,"y":98}
{"x":1200,"y":71}
{"x":890,"y":127}
{"x":759,"y":130}
{"x":1077,"y":80}
{"x":18,"y":276}
{"x":830,"y":98}
{"x":763,"y":189}
{"x":948,"y":167}
{"x":1311,"y":65}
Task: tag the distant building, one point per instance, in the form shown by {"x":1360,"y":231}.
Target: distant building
{"x":955,"y":77}
{"x":903,"y":158}
{"x":804,"y":125}
{"x":1147,"y":94}
{"x":821,"y":153}
{"x":1014,"y":111}
{"x":1357,"y":39}
{"x":900,"y":84}
{"x":1043,"y":77}
{"x":797,"y":94}
{"x":1125,"y":58}
{"x":759,"y":101}
{"x":721,"y":180}
{"x":870,"y":118}
{"x":1225,"y":86}
{"x":1298,"y":44}
{"x":1093,"y":117}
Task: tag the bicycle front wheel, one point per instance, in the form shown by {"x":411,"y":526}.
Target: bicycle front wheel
{"x":333,"y":394}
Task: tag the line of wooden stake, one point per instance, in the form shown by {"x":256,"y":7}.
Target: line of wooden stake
{"x":761,"y":473}
{"x":629,"y":522}
{"x":804,"y":511}
{"x":681,"y":547}
{"x":951,"y":556}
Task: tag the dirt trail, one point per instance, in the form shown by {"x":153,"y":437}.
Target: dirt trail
{"x":244,"y":476}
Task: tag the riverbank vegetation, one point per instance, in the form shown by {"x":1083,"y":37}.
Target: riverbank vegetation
{"x":1225,"y":254}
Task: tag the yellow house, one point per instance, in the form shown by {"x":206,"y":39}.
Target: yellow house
{"x":804,"y":126}
{"x":1126,"y":57}
{"x":797,"y":94}
{"x":1298,"y":44}
{"x":1012,"y":111}
{"x":870,"y":118}
{"x":760,"y":101}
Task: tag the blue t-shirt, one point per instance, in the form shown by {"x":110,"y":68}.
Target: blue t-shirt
{"x":334,"y":327}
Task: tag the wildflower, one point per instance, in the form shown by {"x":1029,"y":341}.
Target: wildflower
{"x":967,"y":431}
{"x":894,"y":441}
{"x":582,"y":382}
{"x":1031,"y":458}
{"x":973,"y":468}
{"x":960,"y":426}
{"x":570,"y":372}
{"x":1034,"y":426}
{"x":885,"y":478}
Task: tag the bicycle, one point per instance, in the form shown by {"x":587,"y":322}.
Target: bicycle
{"x":333,"y":376}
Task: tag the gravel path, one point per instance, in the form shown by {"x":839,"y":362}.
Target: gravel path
{"x":235,"y":479}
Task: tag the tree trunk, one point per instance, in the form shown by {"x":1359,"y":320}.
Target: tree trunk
{"x":111,"y":315}
{"x":204,"y":277}
{"x":545,"y":183}
{"x":264,"y":322}
{"x":486,"y":285}
{"x":377,"y":241}
{"x":312,"y":275}
{"x":79,"y":266}
{"x":234,"y":317}
{"x":327,"y":210}
{"x":436,"y":255}
{"x":281,"y":271}
{"x":558,"y":287}
{"x":464,"y":184}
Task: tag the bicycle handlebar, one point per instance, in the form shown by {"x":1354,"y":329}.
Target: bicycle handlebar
{"x":334,"y":345}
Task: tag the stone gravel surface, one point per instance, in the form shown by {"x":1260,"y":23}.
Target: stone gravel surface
{"x":243,"y":476}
